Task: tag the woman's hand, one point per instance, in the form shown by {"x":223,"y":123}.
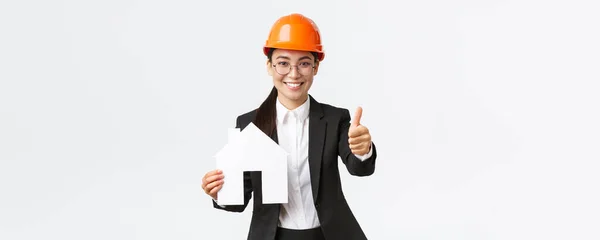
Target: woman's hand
{"x":359,"y":137}
{"x":212,"y":182}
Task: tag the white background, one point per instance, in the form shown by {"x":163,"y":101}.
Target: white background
{"x":485,"y":114}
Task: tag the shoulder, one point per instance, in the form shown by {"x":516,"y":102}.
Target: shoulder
{"x":331,"y":109}
{"x":333,"y":112}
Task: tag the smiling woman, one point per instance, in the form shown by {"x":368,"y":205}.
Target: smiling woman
{"x":314,"y":134}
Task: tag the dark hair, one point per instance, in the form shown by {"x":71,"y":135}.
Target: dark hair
{"x":266,"y":114}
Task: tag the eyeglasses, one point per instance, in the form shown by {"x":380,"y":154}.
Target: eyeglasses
{"x":304,"y":68}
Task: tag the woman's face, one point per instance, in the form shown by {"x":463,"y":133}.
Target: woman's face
{"x":292,"y":73}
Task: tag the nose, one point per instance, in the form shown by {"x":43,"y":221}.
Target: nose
{"x":294,"y":72}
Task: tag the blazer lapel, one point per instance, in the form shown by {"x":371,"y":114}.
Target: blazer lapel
{"x":317,"y":127}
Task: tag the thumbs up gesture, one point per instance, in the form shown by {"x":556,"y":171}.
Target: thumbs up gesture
{"x":359,"y":138}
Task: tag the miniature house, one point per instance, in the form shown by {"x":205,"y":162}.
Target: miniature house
{"x":252,"y":150}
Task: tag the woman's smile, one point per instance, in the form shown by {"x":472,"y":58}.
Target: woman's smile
{"x":293,"y":85}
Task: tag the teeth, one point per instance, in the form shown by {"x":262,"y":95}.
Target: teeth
{"x":293,"y":84}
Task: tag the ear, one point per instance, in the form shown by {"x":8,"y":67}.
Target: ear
{"x":269,"y":68}
{"x":316,"y":69}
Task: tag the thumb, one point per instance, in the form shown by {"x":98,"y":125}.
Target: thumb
{"x":357,"y":116}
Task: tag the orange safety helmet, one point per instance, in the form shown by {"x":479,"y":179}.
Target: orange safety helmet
{"x":295,"y":32}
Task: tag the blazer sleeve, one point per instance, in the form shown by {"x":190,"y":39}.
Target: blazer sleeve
{"x":354,"y":165}
{"x":247,"y":189}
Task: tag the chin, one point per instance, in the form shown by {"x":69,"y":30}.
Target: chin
{"x":295,"y":96}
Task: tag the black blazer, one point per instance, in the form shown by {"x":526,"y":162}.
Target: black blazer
{"x":328,"y":139}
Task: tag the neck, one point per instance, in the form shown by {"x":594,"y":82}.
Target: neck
{"x":291,"y":104}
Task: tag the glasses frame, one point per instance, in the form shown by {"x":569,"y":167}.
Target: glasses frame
{"x":312,"y":68}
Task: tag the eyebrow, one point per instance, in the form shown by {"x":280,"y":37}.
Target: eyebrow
{"x":305,"y":57}
{"x":302,"y":58}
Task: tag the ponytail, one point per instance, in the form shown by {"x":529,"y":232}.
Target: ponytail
{"x":266,"y":114}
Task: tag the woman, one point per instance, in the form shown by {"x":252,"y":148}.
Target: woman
{"x":314,"y":134}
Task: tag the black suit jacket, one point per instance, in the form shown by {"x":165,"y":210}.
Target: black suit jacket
{"x":328,"y":139}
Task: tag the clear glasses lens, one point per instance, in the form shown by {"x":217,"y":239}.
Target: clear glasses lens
{"x":284,"y":68}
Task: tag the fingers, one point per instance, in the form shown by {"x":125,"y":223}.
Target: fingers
{"x":214,"y":178}
{"x":359,"y":139}
{"x":211,"y":177}
{"x":211,"y":187}
{"x":359,"y":146}
{"x":360,"y":149}
{"x":214,"y":191}
{"x":357,"y":131}
{"x":213,"y":172}
{"x":357,"y":116}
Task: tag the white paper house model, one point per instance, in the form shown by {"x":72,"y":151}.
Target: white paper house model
{"x":252,"y":150}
